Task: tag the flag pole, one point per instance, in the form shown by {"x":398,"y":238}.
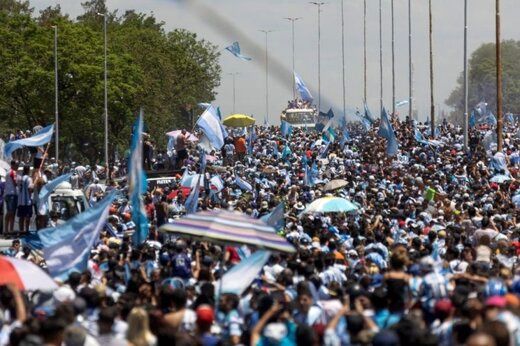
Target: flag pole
{"x":380,"y":57}
{"x":393,"y":58}
{"x":343,"y":58}
{"x":410,"y":69}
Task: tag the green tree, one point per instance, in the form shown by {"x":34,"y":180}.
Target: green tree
{"x":482,"y":80}
{"x":164,"y":73}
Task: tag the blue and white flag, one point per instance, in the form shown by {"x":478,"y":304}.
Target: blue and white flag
{"x":481,"y":108}
{"x":345,"y":137}
{"x":401,"y":103}
{"x":137,"y":184}
{"x":192,"y":202}
{"x":286,"y":152}
{"x":234,"y":49}
{"x":47,"y":190}
{"x":305,"y":94}
{"x":66,"y":248}
{"x":242,"y":184}
{"x":328,"y":115}
{"x":237,"y":279}
{"x":286,"y":128}
{"x":386,"y":130}
{"x":190,"y":180}
{"x":209,"y":124}
{"x":276,"y":218}
{"x":40,"y":138}
{"x":490,"y":119}
{"x":509,"y":118}
{"x":368,"y":114}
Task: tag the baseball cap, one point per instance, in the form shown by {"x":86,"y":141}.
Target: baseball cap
{"x":205,"y":315}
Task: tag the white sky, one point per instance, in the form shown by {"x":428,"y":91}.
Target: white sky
{"x":252,"y":15}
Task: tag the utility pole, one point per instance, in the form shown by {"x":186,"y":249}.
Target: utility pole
{"x":393,"y":59}
{"x":292,"y":20}
{"x":319,"y":4}
{"x":56,"y":117}
{"x":343,"y":59}
{"x":266,"y":118}
{"x":499,"y":78}
{"x":432,"y":100}
{"x":465,"y":122}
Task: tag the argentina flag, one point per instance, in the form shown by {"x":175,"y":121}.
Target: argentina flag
{"x":137,"y":183}
{"x":40,"y":138}
{"x":234,"y":49}
{"x":305,"y":94}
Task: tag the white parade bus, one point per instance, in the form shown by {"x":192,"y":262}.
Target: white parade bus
{"x":300,"y":117}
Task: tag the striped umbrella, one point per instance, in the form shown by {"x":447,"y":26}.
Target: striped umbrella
{"x":331,"y":205}
{"x":25,"y":275}
{"x":229,"y":228}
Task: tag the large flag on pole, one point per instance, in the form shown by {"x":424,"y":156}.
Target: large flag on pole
{"x":275,"y":218}
{"x":304,"y":92}
{"x":137,"y":184}
{"x":234,"y":49}
{"x":66,"y":248}
{"x":40,"y":138}
{"x":211,"y":127}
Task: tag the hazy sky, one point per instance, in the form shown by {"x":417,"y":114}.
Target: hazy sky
{"x":224,"y":21}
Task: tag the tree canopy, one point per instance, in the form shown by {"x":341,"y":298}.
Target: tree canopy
{"x":482,"y":79}
{"x":165,"y":73}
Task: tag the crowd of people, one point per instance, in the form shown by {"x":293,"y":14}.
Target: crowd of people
{"x":299,"y":104}
{"x":430,"y":257}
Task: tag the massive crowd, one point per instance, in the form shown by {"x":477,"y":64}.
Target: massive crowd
{"x":429,"y":258}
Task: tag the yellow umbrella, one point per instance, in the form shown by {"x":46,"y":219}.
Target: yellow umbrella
{"x":238,"y":120}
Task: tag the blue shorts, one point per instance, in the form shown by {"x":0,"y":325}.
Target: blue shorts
{"x":11,"y":203}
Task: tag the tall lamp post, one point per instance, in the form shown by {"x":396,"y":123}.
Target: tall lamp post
{"x":292,"y":20}
{"x":393,"y":58}
{"x":410,"y":63}
{"x":104,"y":15}
{"x":365,"y":51}
{"x":234,"y":74}
{"x":465,"y":122}
{"x":56,"y":117}
{"x":266,"y":118}
{"x":380,"y":56}
{"x":432,"y":100}
{"x":343,"y":60}
{"x":499,"y":77}
{"x":319,"y":4}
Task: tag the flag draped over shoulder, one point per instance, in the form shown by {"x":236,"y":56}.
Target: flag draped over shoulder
{"x":40,"y":138}
{"x":210,"y":125}
{"x":137,"y":183}
{"x":386,"y":130}
{"x":242,"y":184}
{"x":234,"y":49}
{"x":66,"y":248}
{"x":302,"y":89}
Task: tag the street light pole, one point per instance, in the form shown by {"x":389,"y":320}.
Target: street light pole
{"x":432,"y":100}
{"x":393,"y":58}
{"x":319,"y":4}
{"x":106,"y":88}
{"x":292,"y":20}
{"x":465,"y":122}
{"x":380,"y":56}
{"x":266,"y":118}
{"x":499,"y":77}
{"x":56,"y":117}
{"x":234,"y":89}
{"x":410,"y":63}
{"x":343,"y":59}
{"x":365,"y":51}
